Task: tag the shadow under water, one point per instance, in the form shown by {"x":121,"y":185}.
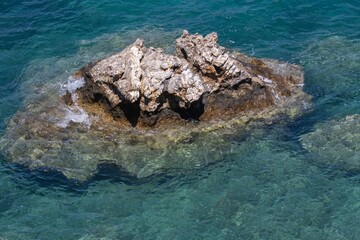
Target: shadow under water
{"x":267,"y":187}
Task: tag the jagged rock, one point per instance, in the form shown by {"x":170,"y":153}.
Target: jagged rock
{"x":120,"y":74}
{"x":146,"y":111}
{"x":213,"y":61}
{"x":204,"y":80}
{"x":335,"y":143}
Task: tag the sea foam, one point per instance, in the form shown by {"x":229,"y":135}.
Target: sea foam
{"x":74,"y":113}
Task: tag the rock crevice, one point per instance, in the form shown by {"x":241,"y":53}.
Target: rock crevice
{"x":203,"y":81}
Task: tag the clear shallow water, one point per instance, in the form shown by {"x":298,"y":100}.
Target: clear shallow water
{"x":268,"y":188}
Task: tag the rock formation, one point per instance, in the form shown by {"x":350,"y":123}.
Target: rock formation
{"x":147,"y":111}
{"x":202,"y":82}
{"x":335,"y":143}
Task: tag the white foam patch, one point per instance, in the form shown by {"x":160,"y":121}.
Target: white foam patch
{"x":74,"y":84}
{"x":74,"y":113}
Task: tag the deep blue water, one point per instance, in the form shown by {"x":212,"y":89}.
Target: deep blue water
{"x":269,"y":188}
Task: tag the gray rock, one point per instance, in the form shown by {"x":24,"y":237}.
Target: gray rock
{"x":157,"y":68}
{"x":212,"y":60}
{"x":122,"y":71}
{"x":145,"y":81}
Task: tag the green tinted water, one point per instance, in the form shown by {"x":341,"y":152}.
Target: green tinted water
{"x":268,"y":188}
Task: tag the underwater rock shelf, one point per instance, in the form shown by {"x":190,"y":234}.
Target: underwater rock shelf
{"x":145,"y":112}
{"x":335,"y":143}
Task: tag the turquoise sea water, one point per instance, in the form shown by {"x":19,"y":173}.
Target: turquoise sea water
{"x":268,"y":188}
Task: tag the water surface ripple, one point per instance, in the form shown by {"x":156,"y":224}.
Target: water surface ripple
{"x":269,"y":187}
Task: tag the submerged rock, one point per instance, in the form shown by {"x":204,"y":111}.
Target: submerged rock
{"x":146,"y":111}
{"x":336,"y":143}
{"x":333,"y":63}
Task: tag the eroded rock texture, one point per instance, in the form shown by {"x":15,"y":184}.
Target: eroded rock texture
{"x":146,"y":111}
{"x":203,"y":82}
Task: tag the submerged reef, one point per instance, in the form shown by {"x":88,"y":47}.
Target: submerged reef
{"x":144,"y":111}
{"x":336,"y":143}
